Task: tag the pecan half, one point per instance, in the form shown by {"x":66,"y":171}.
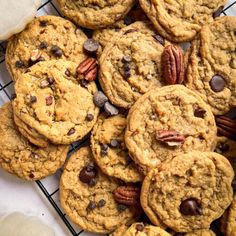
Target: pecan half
{"x":172,"y":63}
{"x":127,"y":195}
{"x":88,"y":69}
{"x":170,"y":137}
{"x":226,"y":126}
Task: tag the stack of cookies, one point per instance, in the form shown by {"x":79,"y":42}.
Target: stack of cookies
{"x":161,"y":159}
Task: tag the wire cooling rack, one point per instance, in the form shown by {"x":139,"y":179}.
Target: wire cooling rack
{"x":49,"y":7}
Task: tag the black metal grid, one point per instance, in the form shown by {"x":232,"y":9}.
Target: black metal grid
{"x":3,"y":88}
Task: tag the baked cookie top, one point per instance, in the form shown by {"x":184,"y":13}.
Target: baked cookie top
{"x":180,"y":21}
{"x":44,"y":38}
{"x":130,"y":64}
{"x":189,"y":191}
{"x":52,"y":99}
{"x":87,"y":197}
{"x":202,"y":232}
{"x":211,"y":70}
{"x":95,"y":14}
{"x":167,"y":121}
{"x":20,"y":157}
{"x":109,"y":150}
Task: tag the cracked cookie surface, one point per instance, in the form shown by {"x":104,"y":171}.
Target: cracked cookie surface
{"x":45,"y":38}
{"x":55,"y":103}
{"x":166,"y":110}
{"x":20,"y":157}
{"x":211,"y":70}
{"x":189,"y":191}
{"x":92,"y":206}
{"x":180,"y":20}
{"x":130,"y":64}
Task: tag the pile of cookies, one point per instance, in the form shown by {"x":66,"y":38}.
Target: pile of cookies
{"x":162,"y":149}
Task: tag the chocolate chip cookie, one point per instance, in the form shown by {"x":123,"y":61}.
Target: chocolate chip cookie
{"x":181,"y":21}
{"x":167,"y":121}
{"x":23,"y":159}
{"x":212,"y":65}
{"x":109,"y":150}
{"x":56,"y":102}
{"x":87,"y":196}
{"x":203,"y":232}
{"x":95,"y":14}
{"x":130,"y":64}
{"x":189,"y":191}
{"x":45,"y":38}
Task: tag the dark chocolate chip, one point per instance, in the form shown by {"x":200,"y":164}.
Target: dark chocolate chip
{"x":159,"y":39}
{"x":218,"y":12}
{"x":110,"y":109}
{"x":99,"y":99}
{"x":126,"y":67}
{"x":92,"y":182}
{"x":91,"y":206}
{"x":128,"y":20}
{"x":71,"y":131}
{"x":126,"y":59}
{"x":31,"y":175}
{"x":190,"y":207}
{"x":127,"y":74}
{"x":84,"y":83}
{"x":130,"y":31}
{"x":114,"y":143}
{"x":50,"y":80}
{"x":19,"y":64}
{"x":104,"y":149}
{"x":43,"y":45}
{"x":43,"y":23}
{"x":217,"y":83}
{"x":101,"y":203}
{"x":32,"y":99}
{"x":33,"y":62}
{"x":87,"y":174}
{"x":13,"y":96}
{"x":223,"y":147}
{"x":56,"y":51}
{"x":91,"y":46}
{"x":89,"y":117}
{"x":68,"y":73}
{"x":139,"y":227}
{"x":121,"y":207}
{"x":199,"y":112}
{"x":49,"y":100}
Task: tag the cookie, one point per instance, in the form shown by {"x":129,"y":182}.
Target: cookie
{"x":203,"y":232}
{"x":95,"y":14}
{"x":119,"y":231}
{"x":109,"y":150}
{"x":130,"y":64}
{"x":181,"y":21}
{"x":189,"y":191}
{"x":212,"y":65}
{"x":87,"y":197}
{"x":53,"y":100}
{"x":144,"y":229}
{"x":167,"y":121}
{"x":23,"y":159}
{"x":45,"y":38}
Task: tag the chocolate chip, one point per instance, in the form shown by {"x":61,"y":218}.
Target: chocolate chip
{"x":71,"y":131}
{"x":126,"y":67}
{"x":84,"y":83}
{"x":114,"y":143}
{"x":139,"y":227}
{"x":44,"y":84}
{"x":223,"y":147}
{"x":56,"y":51}
{"x":49,"y":100}
{"x":218,"y":12}
{"x":68,"y":73}
{"x":127,"y":74}
{"x":91,"y":46}
{"x":31,"y":175}
{"x":101,"y":203}
{"x":87,"y":174}
{"x":19,"y":64}
{"x":92,"y":182}
{"x":33,"y":62}
{"x":110,"y":109}
{"x":104,"y":149}
{"x":99,"y":99}
{"x":31,"y":98}
{"x":91,"y":206}
{"x":190,"y":207}
{"x":43,"y":45}
{"x":130,"y":31}
{"x":13,"y":96}
{"x":43,"y":23}
{"x":217,"y":83}
{"x":199,"y":112}
{"x":128,"y":20}
{"x":233,"y":184}
{"x":126,"y":59}
{"x":178,"y":234}
{"x":50,"y":80}
{"x":159,"y":39}
{"x":89,"y":117}
{"x":121,"y":207}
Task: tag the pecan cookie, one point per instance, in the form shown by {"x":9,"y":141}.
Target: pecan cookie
{"x":211,"y":70}
{"x":167,"y":121}
{"x":45,"y":38}
{"x":55,"y":102}
{"x":95,"y":14}
{"x":109,"y":150}
{"x":130,"y":64}
{"x":23,"y":159}
{"x":180,"y":21}
{"x":189,"y":191}
{"x":87,"y":196}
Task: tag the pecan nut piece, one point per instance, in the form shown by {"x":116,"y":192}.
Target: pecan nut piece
{"x":88,"y":69}
{"x":172,"y":63}
{"x":170,"y":137}
{"x":127,"y":195}
{"x":226,"y":127}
